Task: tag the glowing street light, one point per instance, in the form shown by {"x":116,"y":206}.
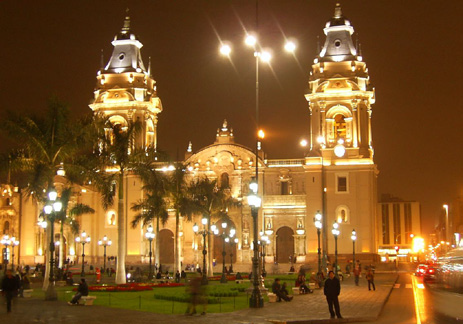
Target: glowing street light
{"x":83,"y":239}
{"x":104,"y":242}
{"x":336,"y":233}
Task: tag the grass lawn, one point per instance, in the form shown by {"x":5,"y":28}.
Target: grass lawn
{"x":145,"y":301}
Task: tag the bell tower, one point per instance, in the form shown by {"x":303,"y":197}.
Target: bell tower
{"x":125,"y":90}
{"x":341,"y":173}
{"x":340,"y":97}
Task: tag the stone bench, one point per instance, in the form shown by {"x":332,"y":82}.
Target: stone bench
{"x":296,"y":291}
{"x":60,"y":283}
{"x":27,"y":293}
{"x":272,"y":298}
{"x":238,"y":281}
{"x":88,"y":300}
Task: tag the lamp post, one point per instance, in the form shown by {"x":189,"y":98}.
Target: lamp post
{"x":204,"y":233}
{"x":105,"y":242}
{"x":150,"y":236}
{"x":223,"y":279}
{"x":318,"y":224}
{"x":264,"y":241}
{"x":256,"y":300}
{"x":254,"y":201}
{"x":335,"y":232}
{"x":51,"y":208}
{"x":84,"y":240}
{"x":446,"y":207}
{"x":233,"y":242}
{"x":354,"y":238}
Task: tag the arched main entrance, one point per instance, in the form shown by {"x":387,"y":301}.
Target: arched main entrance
{"x":230,"y":247}
{"x":166,"y":242}
{"x":285,"y":244}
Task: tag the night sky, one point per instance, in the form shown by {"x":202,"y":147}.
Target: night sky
{"x":413,"y":50}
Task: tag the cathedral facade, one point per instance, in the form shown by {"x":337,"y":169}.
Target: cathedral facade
{"x":337,"y":177}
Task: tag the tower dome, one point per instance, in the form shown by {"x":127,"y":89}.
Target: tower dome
{"x":338,"y":45}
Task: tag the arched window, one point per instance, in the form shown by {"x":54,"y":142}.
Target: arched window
{"x":342,"y":214}
{"x":6,"y":227}
{"x":339,"y":127}
{"x":224,"y":181}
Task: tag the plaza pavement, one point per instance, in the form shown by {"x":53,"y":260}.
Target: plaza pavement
{"x":357,"y":305}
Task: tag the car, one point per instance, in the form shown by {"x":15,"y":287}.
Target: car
{"x":430,"y":274}
{"x":421,"y":270}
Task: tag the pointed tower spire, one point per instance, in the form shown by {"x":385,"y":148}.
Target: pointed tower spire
{"x":126,"y":27}
{"x":337,"y":11}
{"x":338,"y":45}
{"x":102,"y":61}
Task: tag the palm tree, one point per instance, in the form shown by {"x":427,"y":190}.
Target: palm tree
{"x":115,"y":149}
{"x":154,"y":205}
{"x":213,"y":202}
{"x":67,"y":217}
{"x":179,"y":193}
{"x":44,"y":142}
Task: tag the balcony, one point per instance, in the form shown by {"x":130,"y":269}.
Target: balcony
{"x":284,"y":201}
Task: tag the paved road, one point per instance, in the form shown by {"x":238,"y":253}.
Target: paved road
{"x":357,"y":304}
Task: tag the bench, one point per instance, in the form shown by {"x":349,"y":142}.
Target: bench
{"x":27,"y":293}
{"x":88,"y":300}
{"x":60,"y":283}
{"x":272,"y":298}
{"x":238,"y":281}
{"x":296,"y":291}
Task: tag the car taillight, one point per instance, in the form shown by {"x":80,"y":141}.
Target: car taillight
{"x":431,"y":270}
{"x":422,"y":270}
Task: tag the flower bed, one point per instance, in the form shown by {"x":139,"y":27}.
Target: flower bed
{"x":230,"y":278}
{"x":132,"y":287}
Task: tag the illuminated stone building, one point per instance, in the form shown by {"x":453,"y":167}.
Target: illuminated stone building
{"x":337,"y":176}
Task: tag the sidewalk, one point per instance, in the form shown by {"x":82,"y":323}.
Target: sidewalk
{"x":357,"y":305}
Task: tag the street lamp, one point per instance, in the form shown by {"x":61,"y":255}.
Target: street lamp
{"x":319,"y":224}
{"x":105,"y":242}
{"x":256,"y":300}
{"x":254,"y":201}
{"x":84,"y":240}
{"x":204,"y":233}
{"x":354,"y":238}
{"x":233,"y":242}
{"x":150,"y":236}
{"x":223,"y":279}
{"x":335,"y":232}
{"x":446,"y":207}
{"x":264,"y":241}
{"x":51,"y":208}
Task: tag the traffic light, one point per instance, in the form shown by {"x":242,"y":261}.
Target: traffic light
{"x":397,"y":249}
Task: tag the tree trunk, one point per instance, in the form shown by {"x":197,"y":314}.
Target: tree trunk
{"x":121,"y":234}
{"x":61,"y":247}
{"x":157,"y":247}
{"x":177,"y":243}
{"x":46,"y":263}
{"x":210,"y":252}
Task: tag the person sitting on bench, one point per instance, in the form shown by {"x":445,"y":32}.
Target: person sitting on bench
{"x":82,"y":290}
{"x":276,"y":289}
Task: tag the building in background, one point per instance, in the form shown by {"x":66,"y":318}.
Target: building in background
{"x":337,"y":176}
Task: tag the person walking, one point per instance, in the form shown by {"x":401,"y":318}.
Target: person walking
{"x":82,"y":290}
{"x":371,"y":279}
{"x":332,"y":289}
{"x":9,"y":288}
{"x":356,"y":274}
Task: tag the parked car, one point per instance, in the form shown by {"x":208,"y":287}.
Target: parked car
{"x":421,"y":270}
